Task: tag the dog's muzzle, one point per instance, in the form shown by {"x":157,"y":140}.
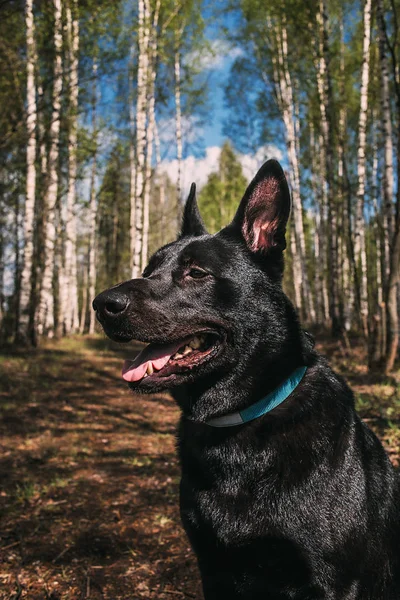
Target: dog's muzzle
{"x":110,"y":305}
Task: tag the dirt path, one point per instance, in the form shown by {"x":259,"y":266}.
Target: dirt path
{"x":89,"y":482}
{"x":89,"y":477}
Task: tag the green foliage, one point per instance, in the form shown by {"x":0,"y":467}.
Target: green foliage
{"x":113,"y":220}
{"x":219,"y":198}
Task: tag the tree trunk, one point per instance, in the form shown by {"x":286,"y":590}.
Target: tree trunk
{"x":360,"y":244}
{"x":132,"y":163}
{"x":319,"y":192}
{"x":178,"y":129}
{"x":84,"y":307}
{"x":391,"y":233}
{"x":391,"y":297}
{"x":151,"y":119}
{"x":69,"y":291}
{"x":287,"y":109}
{"x":93,"y":204}
{"x":142,"y":83}
{"x":29,"y":217}
{"x":2,"y":262}
{"x":296,"y":269}
{"x":161,"y":183}
{"x":376,"y":349}
{"x":327,"y":124}
{"x":394,"y":273}
{"x":46,"y":317}
{"x":387,"y":137}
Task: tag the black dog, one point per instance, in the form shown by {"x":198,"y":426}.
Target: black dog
{"x":285,"y":493}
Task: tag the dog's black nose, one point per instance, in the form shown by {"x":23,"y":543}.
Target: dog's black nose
{"x":110,"y":304}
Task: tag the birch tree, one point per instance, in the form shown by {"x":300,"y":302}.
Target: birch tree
{"x":284,"y":82}
{"x":142,"y":83}
{"x":387,"y":136}
{"x":388,"y":186}
{"x":151,"y":124}
{"x":325,"y":94}
{"x":360,"y":245}
{"x":178,"y":123}
{"x":132,"y":160}
{"x":69,"y":285}
{"x":46,"y":317}
{"x":393,"y":279}
{"x":29,"y":216}
{"x":93,"y":203}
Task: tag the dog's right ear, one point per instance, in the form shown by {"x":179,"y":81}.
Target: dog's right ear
{"x":192,"y":223}
{"x":264,"y":210}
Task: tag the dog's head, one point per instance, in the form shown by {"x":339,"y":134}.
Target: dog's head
{"x":209,"y":305}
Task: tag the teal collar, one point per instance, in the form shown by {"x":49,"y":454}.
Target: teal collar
{"x":263,"y":406}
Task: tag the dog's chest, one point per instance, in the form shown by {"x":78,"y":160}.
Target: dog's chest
{"x":232,"y":498}
{"x":228,"y":511}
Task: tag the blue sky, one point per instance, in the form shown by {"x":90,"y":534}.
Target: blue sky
{"x":200,"y":140}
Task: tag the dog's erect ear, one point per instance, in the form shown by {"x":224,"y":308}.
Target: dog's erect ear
{"x":264,"y":210}
{"x":192,"y":223}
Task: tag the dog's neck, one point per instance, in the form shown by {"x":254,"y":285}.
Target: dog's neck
{"x":263,"y":406}
{"x":243,"y":385}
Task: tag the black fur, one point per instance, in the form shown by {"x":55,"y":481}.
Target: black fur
{"x":302,"y":503}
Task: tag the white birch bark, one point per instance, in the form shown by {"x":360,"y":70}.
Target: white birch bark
{"x":41,"y":129}
{"x":29,"y":217}
{"x":69,"y":289}
{"x":321,"y":149}
{"x":93,"y":205}
{"x":142,"y":76}
{"x":286,"y":93}
{"x":178,"y":130}
{"x":296,"y":266}
{"x":359,"y":242}
{"x":151,"y":120}
{"x":347,"y":291}
{"x":327,"y":160}
{"x":46,"y":305}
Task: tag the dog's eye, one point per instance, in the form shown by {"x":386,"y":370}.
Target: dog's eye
{"x":196,"y":273}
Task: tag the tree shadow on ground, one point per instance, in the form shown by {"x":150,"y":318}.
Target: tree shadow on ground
{"x":89,"y":477}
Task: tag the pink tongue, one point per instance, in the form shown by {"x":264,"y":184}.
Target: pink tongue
{"x":156,"y":354}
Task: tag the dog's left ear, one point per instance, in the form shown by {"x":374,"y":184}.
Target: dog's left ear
{"x":192,"y":223}
{"x":264,"y":210}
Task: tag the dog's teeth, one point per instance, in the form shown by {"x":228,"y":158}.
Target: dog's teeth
{"x":150,"y":369}
{"x":177,"y":355}
{"x":195,"y":343}
{"x":187,"y":350}
{"x":144,"y":376}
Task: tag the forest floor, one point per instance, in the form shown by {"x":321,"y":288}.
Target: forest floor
{"x":89,"y":474}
